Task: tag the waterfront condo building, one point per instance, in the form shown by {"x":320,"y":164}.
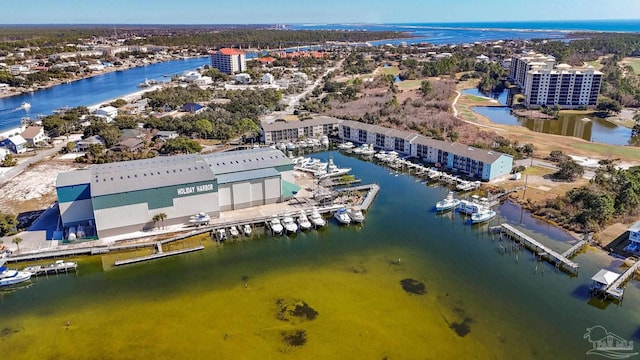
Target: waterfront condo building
{"x":229,"y":61}
{"x":545,"y":84}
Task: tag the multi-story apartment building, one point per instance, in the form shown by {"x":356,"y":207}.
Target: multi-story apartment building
{"x":229,"y":60}
{"x":544,"y":83}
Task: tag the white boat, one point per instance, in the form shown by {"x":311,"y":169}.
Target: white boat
{"x":275,"y":225}
{"x":368,"y":150}
{"x":355,"y":214}
{"x":342,"y":216}
{"x":57,"y":267}
{"x":332,"y":170}
{"x":346,"y":146}
{"x":316,"y":219}
{"x":289,"y":224}
{"x":303,"y":221}
{"x":11,"y":277}
{"x":200,"y":219}
{"x":469,"y":207}
{"x":221,"y":235}
{"x":448,"y":203}
{"x":291,"y":146}
{"x":247,"y":230}
{"x":233,"y":231}
{"x":25,"y":105}
{"x":484,"y":214}
{"x":324,"y":140}
{"x":360,"y":149}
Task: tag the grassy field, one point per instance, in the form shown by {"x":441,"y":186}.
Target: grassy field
{"x":409,"y":84}
{"x":610,"y":150}
{"x":634,"y":63}
{"x":536,"y":170}
{"x":477,"y":98}
{"x":391,"y":70}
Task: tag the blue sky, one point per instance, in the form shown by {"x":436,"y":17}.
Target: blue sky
{"x":308,"y":11}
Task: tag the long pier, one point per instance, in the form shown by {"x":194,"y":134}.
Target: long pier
{"x":551,"y":255}
{"x":574,"y":249}
{"x":615,"y":290}
{"x":158,"y":255}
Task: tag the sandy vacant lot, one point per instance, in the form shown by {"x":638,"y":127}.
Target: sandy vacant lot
{"x":34,"y":189}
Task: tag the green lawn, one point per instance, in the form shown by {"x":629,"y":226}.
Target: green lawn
{"x":611,"y":150}
{"x":634,"y":63}
{"x":392,"y":70}
{"x":409,"y":83}
{"x":477,"y":98}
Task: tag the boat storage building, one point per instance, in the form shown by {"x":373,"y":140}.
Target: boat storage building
{"x":123,"y":197}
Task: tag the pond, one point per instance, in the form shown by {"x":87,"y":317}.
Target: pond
{"x":589,"y":128}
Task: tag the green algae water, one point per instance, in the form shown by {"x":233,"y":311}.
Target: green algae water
{"x":337,"y":293}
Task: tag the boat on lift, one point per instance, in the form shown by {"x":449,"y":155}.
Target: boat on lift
{"x":233,"y":231}
{"x":303,"y":221}
{"x":289,"y":224}
{"x":346,"y":146}
{"x":316,"y":218}
{"x":342,"y":216}
{"x":355,"y":214}
{"x":247,"y":230}
{"x":275,"y":225}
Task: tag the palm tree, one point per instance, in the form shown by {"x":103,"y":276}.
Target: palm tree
{"x":162,"y":216}
{"x":155,"y":219}
{"x":17,"y":240}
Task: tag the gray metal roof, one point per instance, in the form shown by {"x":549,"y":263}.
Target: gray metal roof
{"x":75,"y":177}
{"x":135,"y":175}
{"x":635,"y":227}
{"x":486,"y":156}
{"x":244,"y":160}
{"x":285,"y":125}
{"x":247,"y":175}
{"x":364,"y":126}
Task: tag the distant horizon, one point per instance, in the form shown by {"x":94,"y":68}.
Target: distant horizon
{"x":261,"y":12}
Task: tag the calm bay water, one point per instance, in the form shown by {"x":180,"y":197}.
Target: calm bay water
{"x":589,"y":128}
{"x":90,"y":91}
{"x":196,"y":305}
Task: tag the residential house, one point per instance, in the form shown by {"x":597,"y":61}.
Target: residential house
{"x":84,"y":144}
{"x":267,"y":79}
{"x":34,"y":135}
{"x":243,"y":78}
{"x":107,"y":111}
{"x":193,"y":108}
{"x":634,"y":234}
{"x":16,"y":144}
{"x":166,"y":135}
{"x":130,"y":144}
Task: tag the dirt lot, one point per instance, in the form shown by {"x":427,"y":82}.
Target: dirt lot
{"x":34,"y":189}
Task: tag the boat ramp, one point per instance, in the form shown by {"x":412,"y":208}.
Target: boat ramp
{"x":561,"y":261}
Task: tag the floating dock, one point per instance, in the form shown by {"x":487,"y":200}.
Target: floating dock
{"x":158,"y":255}
{"x":559,"y":260}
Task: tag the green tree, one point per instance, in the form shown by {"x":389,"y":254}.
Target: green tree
{"x":204,"y":127}
{"x":181,"y":145}
{"x":17,"y":240}
{"x":8,"y":224}
{"x":609,"y":105}
{"x":426,"y":87}
{"x":569,"y":170}
{"x":9,"y":161}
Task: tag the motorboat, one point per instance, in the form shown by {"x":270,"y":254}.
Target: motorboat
{"x":221,"y":235}
{"x":469,"y":207}
{"x":360,"y":149}
{"x":275,"y":225}
{"x":233,"y":231}
{"x":483,"y":215}
{"x":291,"y":146}
{"x":57,"y":267}
{"x":355,"y":214}
{"x":200,"y":219}
{"x":25,"y":105}
{"x":303,"y":221}
{"x":11,"y":277}
{"x":247,"y":230}
{"x":316,"y":218}
{"x":332,"y":170}
{"x":342,"y":216}
{"x":346,"y":146}
{"x":289,"y":224}
{"x":448,"y":203}
{"x":368,"y":150}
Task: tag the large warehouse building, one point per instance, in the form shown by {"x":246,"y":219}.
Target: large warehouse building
{"x":117,"y":198}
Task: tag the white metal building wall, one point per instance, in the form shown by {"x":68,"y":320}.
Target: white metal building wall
{"x":76,"y":211}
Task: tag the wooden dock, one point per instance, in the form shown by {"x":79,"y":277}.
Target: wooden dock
{"x":615,"y":290}
{"x":550,"y":255}
{"x":158,"y":255}
{"x":574,"y":249}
